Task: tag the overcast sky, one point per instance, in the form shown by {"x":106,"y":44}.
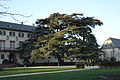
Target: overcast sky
{"x":108,"y":11}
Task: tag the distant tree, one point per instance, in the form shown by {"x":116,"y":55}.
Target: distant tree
{"x":67,"y":36}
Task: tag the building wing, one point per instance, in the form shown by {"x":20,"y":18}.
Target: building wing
{"x":111,"y":43}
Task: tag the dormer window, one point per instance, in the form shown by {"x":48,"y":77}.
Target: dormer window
{"x":2,"y":56}
{"x":10,"y":25}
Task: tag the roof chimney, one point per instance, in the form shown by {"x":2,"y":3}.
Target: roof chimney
{"x":22,"y":23}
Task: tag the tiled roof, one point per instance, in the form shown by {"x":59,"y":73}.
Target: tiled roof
{"x":116,"y":42}
{"x":14,"y":26}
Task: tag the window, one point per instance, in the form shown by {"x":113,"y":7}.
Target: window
{"x":29,"y":35}
{"x":2,"y":32}
{"x":9,"y":25}
{"x":2,"y":44}
{"x":7,"y":37}
{"x":21,"y":34}
{"x":2,"y":56}
{"x":16,"y":38}
{"x":12,"y":34}
{"x":105,"y":45}
{"x":12,"y":45}
{"x":110,"y":44}
{"x":20,"y":43}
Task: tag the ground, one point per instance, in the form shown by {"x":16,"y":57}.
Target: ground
{"x":84,"y":74}
{"x":111,"y":77}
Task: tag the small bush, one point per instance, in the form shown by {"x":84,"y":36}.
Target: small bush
{"x":5,"y":61}
{"x":80,"y":65}
{"x":110,"y":64}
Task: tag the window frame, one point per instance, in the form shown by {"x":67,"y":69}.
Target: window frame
{"x":12,"y":33}
{"x":29,"y":35}
{"x":2,"y":44}
{"x":2,"y":32}
{"x":2,"y":56}
{"x":21,"y":34}
{"x":12,"y":45}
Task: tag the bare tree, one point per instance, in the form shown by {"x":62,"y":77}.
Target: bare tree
{"x":4,"y":12}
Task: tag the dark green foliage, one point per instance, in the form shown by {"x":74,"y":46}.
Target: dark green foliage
{"x":25,"y":50}
{"x":63,"y":36}
{"x":80,"y":65}
{"x":110,"y":64}
{"x":66,"y":36}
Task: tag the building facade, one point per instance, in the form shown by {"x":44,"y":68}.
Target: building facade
{"x":11,"y":36}
{"x":111,"y":49}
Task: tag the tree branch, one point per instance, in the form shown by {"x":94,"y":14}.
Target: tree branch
{"x":6,"y":13}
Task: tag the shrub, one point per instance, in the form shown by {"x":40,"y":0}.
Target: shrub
{"x":80,"y":65}
{"x":110,"y":64}
{"x":5,"y":61}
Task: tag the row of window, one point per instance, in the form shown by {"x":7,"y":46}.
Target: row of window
{"x":12,"y":44}
{"x":3,"y":33}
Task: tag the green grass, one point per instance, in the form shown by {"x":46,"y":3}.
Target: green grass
{"x":92,"y":74}
{"x":10,"y":71}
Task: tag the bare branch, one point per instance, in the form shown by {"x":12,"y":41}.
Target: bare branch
{"x":12,"y":14}
{"x":14,"y":18}
{"x":17,"y":20}
{"x":3,"y":6}
{"x":19,"y":15}
{"x":5,"y":0}
{"x":6,"y":13}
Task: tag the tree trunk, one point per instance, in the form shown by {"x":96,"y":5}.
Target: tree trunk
{"x":60,"y":61}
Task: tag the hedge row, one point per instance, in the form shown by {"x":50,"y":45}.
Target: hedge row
{"x":110,"y":64}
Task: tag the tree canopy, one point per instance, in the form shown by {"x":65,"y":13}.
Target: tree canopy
{"x":66,"y":36}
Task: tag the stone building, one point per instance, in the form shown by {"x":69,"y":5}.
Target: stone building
{"x":11,"y":36}
{"x":111,"y":49}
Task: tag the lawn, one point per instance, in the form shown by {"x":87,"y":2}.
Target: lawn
{"x":92,"y":74}
{"x":9,"y":71}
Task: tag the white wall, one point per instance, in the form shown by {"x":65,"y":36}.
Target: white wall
{"x":15,"y":38}
{"x":109,"y":53}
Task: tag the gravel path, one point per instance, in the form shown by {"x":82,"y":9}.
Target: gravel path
{"x":90,"y":67}
{"x":38,"y":73}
